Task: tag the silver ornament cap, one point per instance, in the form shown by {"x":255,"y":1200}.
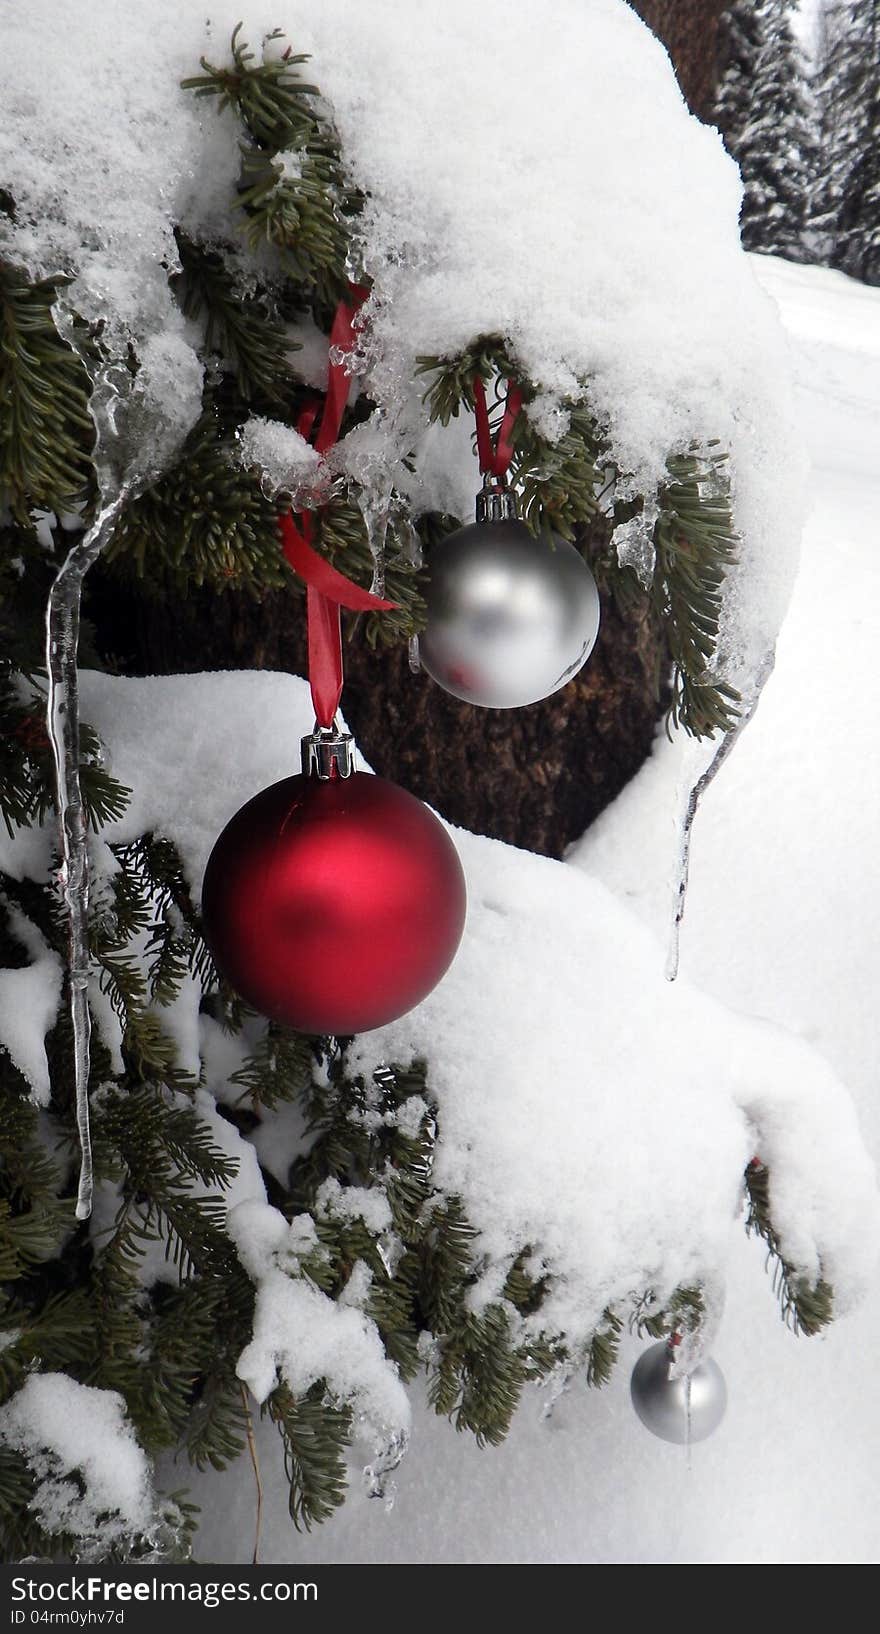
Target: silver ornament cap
{"x":511,"y":618}
{"x":327,"y":753}
{"x":684,"y":1409}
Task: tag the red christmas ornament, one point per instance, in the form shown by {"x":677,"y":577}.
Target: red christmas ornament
{"x":333,"y":903}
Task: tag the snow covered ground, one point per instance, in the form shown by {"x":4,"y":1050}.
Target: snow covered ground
{"x":782,"y":923}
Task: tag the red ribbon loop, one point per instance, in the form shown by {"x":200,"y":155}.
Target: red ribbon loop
{"x":318,"y":573}
{"x":327,"y":590}
{"x":495,"y":458}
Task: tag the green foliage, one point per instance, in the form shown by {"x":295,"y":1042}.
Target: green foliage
{"x":238,"y":326}
{"x":294,"y":192}
{"x":682,"y":1313}
{"x":278,"y":1069}
{"x":451,"y":386}
{"x":561,"y":483}
{"x":604,"y":1349}
{"x":46,"y":431}
{"x":315,"y":1434}
{"x":695,"y":544}
{"x":807,"y":1307}
{"x":206,"y":521}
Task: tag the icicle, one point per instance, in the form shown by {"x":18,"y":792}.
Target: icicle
{"x":633,"y":542}
{"x":62,"y":641}
{"x":415,"y":555}
{"x":691,"y":807}
{"x":557,"y":1385}
{"x":386,"y":1461}
{"x":135,"y":436}
{"x":377,"y":528}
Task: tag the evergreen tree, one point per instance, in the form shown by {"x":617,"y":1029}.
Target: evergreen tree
{"x":765,"y":116}
{"x":76,"y":1304}
{"x":846,"y":212}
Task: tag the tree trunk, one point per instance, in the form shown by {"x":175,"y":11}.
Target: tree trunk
{"x":689,"y":31}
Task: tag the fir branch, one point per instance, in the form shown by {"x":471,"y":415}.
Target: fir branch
{"x":278,"y":1069}
{"x":238,"y":327}
{"x":56,"y":1336}
{"x":315,"y":1434}
{"x":270,"y":97}
{"x":206,"y":521}
{"x":807,"y":1307}
{"x":604,"y":1349}
{"x":446,"y":1268}
{"x":195,"y":1337}
{"x":683,"y":1312}
{"x":560,"y":482}
{"x":21,"y":1536}
{"x":294,"y":192}
{"x":452,"y":386}
{"x":46,"y":432}
{"x":295,"y":211}
{"x":695,"y":544}
{"x":33,"y":1219}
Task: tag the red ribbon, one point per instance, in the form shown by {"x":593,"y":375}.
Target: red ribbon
{"x":495,"y":458}
{"x":326,"y":589}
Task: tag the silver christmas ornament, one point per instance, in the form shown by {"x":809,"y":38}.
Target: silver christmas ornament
{"x":511,"y":618}
{"x":685,"y":1409}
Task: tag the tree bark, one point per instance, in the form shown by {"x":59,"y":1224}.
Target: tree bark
{"x":689,"y":30}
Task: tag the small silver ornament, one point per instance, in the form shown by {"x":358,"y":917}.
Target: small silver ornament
{"x":685,"y":1409}
{"x":511,"y":618}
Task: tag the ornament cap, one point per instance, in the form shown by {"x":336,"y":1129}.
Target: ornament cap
{"x":496,"y":501}
{"x":327,"y":753}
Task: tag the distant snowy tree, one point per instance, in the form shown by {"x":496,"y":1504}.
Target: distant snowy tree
{"x":765,"y":115}
{"x":846,"y":214}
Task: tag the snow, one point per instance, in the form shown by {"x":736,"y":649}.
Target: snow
{"x":66,"y":1429}
{"x":287,"y":460}
{"x":29,"y":1000}
{"x":354,"y":1203}
{"x":100,"y":161}
{"x":301,"y":1336}
{"x":806,"y":22}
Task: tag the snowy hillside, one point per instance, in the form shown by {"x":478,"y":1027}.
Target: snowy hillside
{"x":781,"y":923}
